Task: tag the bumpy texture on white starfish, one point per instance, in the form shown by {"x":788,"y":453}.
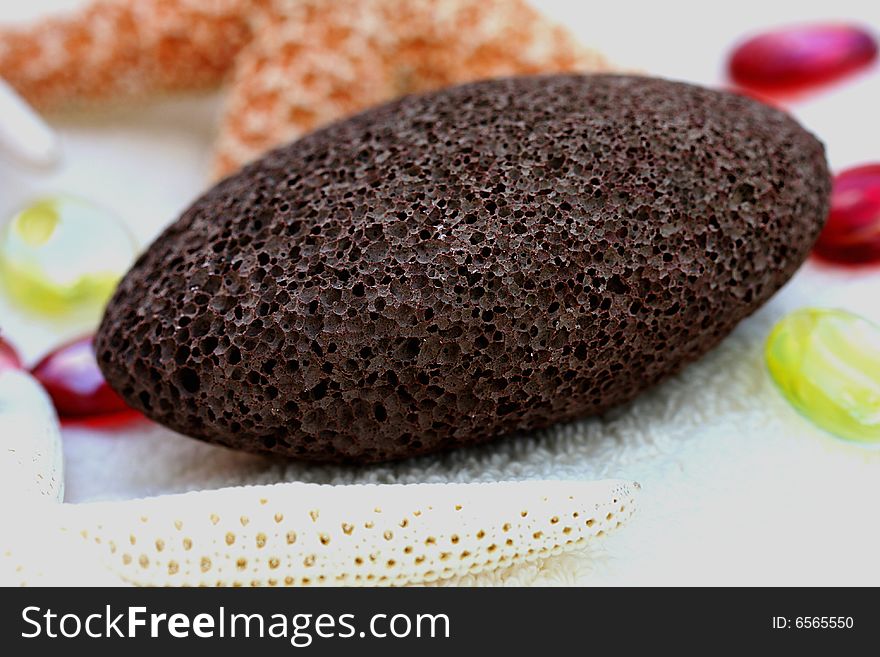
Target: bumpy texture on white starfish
{"x":302,"y":534}
{"x":308,"y":534}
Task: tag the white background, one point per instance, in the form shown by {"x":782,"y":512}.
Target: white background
{"x":737,"y":488}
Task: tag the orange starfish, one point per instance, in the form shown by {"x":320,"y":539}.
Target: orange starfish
{"x":291,"y":65}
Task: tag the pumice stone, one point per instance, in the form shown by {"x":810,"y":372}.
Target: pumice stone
{"x":453,"y":267}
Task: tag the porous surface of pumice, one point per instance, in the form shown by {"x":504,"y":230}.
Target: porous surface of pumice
{"x":453,"y":267}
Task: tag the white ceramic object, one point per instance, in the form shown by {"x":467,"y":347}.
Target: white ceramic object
{"x":30,"y":442}
{"x":23,"y":133}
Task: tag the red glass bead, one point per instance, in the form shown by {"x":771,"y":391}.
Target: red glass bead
{"x":71,"y":376}
{"x":794,"y":58}
{"x":852,"y":234}
{"x":9,"y":359}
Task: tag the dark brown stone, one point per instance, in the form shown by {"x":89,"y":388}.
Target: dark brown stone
{"x":453,"y":267}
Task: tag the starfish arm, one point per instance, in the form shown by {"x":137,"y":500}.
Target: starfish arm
{"x":455,"y":41}
{"x":313,"y":62}
{"x":116,"y":49}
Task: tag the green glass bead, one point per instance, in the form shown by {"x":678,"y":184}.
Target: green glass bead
{"x":63,"y":254}
{"x":827,"y":365}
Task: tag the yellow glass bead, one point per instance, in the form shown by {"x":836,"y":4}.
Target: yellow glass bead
{"x":827,"y":365}
{"x":62,"y":253}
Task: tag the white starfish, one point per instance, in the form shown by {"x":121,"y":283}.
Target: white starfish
{"x":282,"y":534}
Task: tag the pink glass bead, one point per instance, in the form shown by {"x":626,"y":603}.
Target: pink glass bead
{"x":852,"y":234}
{"x":9,"y":359}
{"x":794,"y":58}
{"x":71,"y":376}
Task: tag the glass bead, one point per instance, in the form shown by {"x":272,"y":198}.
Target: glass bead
{"x":9,"y":359}
{"x":796,"y":58}
{"x":826,"y":363}
{"x":61,"y":254}
{"x":71,"y":376}
{"x":852,"y":234}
